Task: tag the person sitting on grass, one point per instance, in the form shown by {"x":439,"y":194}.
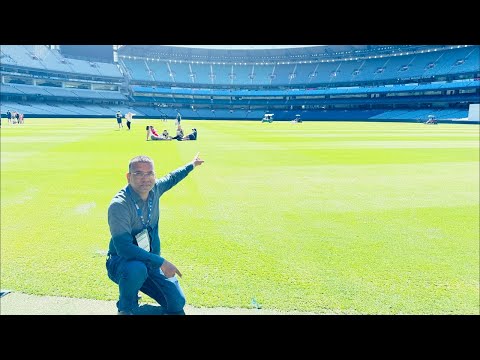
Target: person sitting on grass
{"x":153,"y":134}
{"x":166,"y":135}
{"x":191,"y":136}
{"x":179,"y":135}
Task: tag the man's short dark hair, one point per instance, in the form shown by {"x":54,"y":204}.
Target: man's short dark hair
{"x":139,"y":159}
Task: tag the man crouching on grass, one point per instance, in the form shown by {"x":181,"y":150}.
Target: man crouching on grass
{"x":134,"y":261}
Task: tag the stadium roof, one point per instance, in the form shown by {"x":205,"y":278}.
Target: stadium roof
{"x":261,"y":53}
{"x":265,"y":53}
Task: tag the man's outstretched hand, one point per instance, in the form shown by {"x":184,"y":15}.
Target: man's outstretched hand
{"x":197,"y":161}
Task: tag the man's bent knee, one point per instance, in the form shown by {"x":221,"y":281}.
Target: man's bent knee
{"x":176,"y":306}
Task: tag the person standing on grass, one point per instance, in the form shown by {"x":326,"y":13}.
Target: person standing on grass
{"x":129,"y":117}
{"x":178,"y":119}
{"x":133,"y":260}
{"x":119,"y":119}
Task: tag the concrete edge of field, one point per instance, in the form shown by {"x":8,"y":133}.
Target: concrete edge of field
{"x":14,"y":303}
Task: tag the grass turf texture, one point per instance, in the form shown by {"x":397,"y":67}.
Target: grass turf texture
{"x":324,"y":217}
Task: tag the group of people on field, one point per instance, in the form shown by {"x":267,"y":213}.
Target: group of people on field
{"x":129,"y":118}
{"x":152,"y":134}
{"x":14,"y":117}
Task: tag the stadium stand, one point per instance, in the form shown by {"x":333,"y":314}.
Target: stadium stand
{"x":341,"y":82}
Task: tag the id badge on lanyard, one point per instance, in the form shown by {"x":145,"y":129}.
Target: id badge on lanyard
{"x":143,"y":240}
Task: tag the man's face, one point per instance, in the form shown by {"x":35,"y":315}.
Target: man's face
{"x":142,"y":178}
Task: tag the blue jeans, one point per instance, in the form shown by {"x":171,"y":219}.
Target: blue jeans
{"x":133,"y":276}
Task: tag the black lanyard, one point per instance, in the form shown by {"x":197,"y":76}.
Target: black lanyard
{"x":139,"y":211}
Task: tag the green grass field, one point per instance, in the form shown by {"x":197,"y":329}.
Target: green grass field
{"x":325,"y":217}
